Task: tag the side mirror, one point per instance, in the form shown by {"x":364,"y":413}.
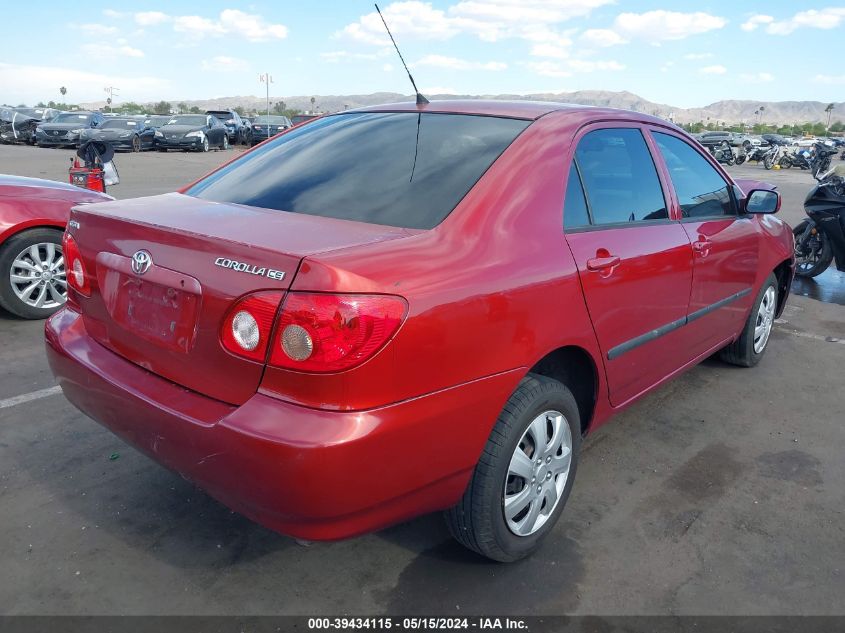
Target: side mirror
{"x":762,"y":201}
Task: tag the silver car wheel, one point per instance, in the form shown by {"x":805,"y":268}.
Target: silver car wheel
{"x":537,"y":474}
{"x":38,"y":276}
{"x":765,"y":319}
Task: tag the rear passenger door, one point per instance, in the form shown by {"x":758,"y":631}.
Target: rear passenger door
{"x":634,"y":260}
{"x":725,"y":244}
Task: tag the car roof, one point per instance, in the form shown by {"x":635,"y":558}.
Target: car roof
{"x":516,"y":109}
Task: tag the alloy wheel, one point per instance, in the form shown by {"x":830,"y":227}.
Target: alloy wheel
{"x":537,"y":473}
{"x":38,"y":276}
{"x":765,"y":319}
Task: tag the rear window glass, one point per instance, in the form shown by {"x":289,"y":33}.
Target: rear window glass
{"x":402,"y":169}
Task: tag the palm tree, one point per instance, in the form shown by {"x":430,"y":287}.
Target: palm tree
{"x":829,"y":110}
{"x":313,"y":100}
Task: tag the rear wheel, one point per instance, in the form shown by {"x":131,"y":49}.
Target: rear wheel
{"x":785,"y":162}
{"x":768,"y":163}
{"x":136,"y":143}
{"x":749,"y":348}
{"x":225,"y":143}
{"x":525,"y":474}
{"x":33,"y":281}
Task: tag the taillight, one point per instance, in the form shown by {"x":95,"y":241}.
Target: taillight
{"x":77,"y":275}
{"x":332,"y":332}
{"x":247,"y":326}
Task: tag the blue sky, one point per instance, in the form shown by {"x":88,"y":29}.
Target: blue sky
{"x":683,"y":54}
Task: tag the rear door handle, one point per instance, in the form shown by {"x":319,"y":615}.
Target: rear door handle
{"x":702,"y":246}
{"x":603,"y":263}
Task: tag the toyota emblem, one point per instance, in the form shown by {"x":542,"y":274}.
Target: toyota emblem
{"x":141,"y":262}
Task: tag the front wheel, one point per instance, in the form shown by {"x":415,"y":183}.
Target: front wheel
{"x":525,"y":474}
{"x":748,"y":349}
{"x":204,"y":143}
{"x":136,"y":143}
{"x":813,"y":251}
{"x":768,"y":163}
{"x":785,"y":162}
{"x":740,"y":159}
{"x":33,"y":282}
{"x":225,"y":143}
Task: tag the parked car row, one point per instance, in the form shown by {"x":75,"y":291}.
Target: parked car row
{"x":198,"y":132}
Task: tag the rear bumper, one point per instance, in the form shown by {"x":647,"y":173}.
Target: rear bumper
{"x":312,"y":474}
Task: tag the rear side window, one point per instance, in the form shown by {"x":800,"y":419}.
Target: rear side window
{"x":701,"y":190}
{"x":619,"y":177}
{"x":575,"y":206}
{"x":402,"y":169}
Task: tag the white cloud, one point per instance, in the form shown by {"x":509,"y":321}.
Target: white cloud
{"x":694,"y":56}
{"x":150,"y":18}
{"x":453,"y":63}
{"x":490,"y":20}
{"x":757,"y":78}
{"x":111,"y":13}
{"x":107,"y":50}
{"x":570,"y":66}
{"x":225,"y":64}
{"x":602,"y":37}
{"x":666,"y":25}
{"x":833,"y":80}
{"x":829,"y":18}
{"x":555,"y":51}
{"x":29,"y":84}
{"x":716,"y":69}
{"x":548,"y":69}
{"x":756,"y":20}
{"x":96,"y":29}
{"x":338,"y":56}
{"x":416,"y":19}
{"x":666,"y":67}
{"x":387,"y":68}
{"x":232,"y":22}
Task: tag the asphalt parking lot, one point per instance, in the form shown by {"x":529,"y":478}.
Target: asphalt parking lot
{"x":721,"y":493}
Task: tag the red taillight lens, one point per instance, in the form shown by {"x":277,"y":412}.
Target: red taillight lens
{"x":329,"y":332}
{"x":247,"y":326}
{"x":77,"y":275}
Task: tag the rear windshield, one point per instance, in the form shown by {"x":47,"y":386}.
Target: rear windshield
{"x":401,"y":169}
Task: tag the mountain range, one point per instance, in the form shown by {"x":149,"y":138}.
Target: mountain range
{"x":721,"y":112}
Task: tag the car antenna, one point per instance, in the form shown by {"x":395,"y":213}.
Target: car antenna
{"x":421,"y":100}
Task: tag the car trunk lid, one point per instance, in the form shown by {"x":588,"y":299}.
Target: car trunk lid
{"x":167,"y":269}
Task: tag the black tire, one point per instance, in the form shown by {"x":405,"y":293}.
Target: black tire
{"x":768,"y":163}
{"x":740,"y":159}
{"x":13,"y":246}
{"x":785,"y":162}
{"x":823,"y":247}
{"x":224,"y":144}
{"x":478,"y":521}
{"x":741,"y":352}
{"x":204,"y":146}
{"x":162,"y":149}
{"x":136,"y":143}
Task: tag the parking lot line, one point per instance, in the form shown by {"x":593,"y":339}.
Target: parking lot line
{"x":28,"y":397}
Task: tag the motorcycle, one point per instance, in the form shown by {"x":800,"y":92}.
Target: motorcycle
{"x":774,"y":155}
{"x":724,"y":153}
{"x":821,"y":237}
{"x":756,"y":154}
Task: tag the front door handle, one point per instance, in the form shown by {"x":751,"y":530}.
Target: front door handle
{"x":603,"y":263}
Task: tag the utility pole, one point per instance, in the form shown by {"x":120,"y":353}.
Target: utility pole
{"x":267,"y":79}
{"x":110,"y":90}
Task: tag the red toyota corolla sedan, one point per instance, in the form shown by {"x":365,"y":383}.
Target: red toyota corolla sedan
{"x":407,"y":308}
